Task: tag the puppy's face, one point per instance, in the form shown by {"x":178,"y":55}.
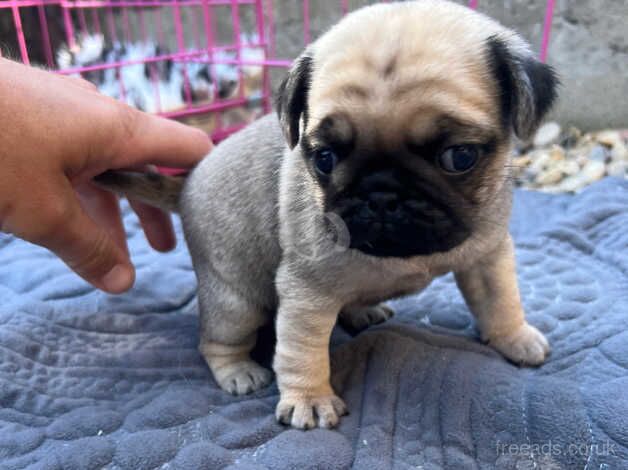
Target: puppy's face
{"x":404,"y":115}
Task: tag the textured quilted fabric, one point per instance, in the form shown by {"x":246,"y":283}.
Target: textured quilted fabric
{"x":91,"y":381}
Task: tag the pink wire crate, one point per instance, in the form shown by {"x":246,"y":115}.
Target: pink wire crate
{"x":205,"y":62}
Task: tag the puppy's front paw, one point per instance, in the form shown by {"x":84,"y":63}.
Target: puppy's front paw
{"x":359,"y":319}
{"x":526,"y":346}
{"x":305,"y":412}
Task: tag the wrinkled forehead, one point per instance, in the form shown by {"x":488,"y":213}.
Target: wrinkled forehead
{"x":400,"y":77}
{"x":404,"y":96}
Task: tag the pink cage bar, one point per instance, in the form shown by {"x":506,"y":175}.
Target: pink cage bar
{"x":196,"y":41}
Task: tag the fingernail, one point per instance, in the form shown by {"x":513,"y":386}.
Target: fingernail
{"x":119,"y":279}
{"x":208,"y":141}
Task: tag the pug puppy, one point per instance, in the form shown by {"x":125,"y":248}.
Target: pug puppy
{"x":386,"y":165}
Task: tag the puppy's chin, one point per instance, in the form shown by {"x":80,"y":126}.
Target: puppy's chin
{"x":387,"y":217}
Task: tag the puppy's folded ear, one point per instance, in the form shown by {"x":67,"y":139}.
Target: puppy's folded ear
{"x":527,"y":86}
{"x":292,"y":98}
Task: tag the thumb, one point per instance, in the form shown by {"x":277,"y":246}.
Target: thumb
{"x":85,"y":247}
{"x":141,"y":138}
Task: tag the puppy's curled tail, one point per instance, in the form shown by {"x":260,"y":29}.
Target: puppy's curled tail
{"x":152,"y":188}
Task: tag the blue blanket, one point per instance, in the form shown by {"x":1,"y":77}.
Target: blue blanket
{"x":89,"y":380}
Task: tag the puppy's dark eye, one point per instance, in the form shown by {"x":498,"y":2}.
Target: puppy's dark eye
{"x":325,"y":160}
{"x":458,"y":159}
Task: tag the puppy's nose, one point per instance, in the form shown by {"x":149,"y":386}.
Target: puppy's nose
{"x":381,"y":203}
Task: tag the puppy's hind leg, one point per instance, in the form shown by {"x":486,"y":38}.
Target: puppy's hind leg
{"x":228,"y":325}
{"x":359,"y":318}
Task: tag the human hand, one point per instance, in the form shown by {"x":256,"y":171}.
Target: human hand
{"x":57,"y":134}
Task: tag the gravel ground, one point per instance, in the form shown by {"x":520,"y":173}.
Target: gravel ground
{"x":566,"y":160}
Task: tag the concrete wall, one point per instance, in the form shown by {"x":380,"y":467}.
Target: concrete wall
{"x":589,"y":49}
